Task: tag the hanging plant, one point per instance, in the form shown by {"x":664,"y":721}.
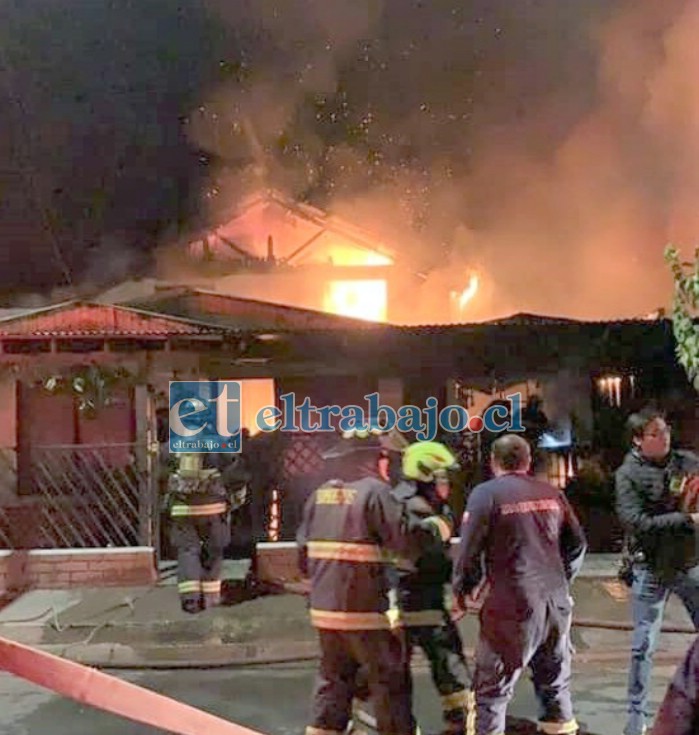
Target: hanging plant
{"x":94,"y":386}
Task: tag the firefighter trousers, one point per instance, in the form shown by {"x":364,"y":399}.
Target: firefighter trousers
{"x":382,"y":654}
{"x":200,"y":541}
{"x":513,"y":637}
{"x":443,"y":647}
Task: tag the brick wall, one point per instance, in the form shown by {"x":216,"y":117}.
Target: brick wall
{"x":278,"y":561}
{"x":61,"y":568}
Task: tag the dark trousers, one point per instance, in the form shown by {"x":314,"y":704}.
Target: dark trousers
{"x":200,"y":541}
{"x":649,"y":596}
{"x":514,"y":637}
{"x":382,"y":655}
{"x":443,"y":648}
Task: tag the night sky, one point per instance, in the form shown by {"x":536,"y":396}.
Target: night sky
{"x":527,"y":138}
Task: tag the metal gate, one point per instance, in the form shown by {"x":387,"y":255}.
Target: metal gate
{"x":82,"y":496}
{"x":300,"y":474}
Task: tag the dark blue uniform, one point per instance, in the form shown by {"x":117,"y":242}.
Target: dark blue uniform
{"x":524,"y":535}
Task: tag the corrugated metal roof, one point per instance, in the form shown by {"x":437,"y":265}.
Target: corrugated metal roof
{"x":533,"y":320}
{"x":243,"y":314}
{"x":233,"y":312}
{"x":81,"y":319}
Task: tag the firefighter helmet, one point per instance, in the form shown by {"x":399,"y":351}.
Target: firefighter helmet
{"x":191,"y":465}
{"x":362,"y":440}
{"x":426,"y":461}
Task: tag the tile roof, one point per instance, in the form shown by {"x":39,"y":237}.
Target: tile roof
{"x":85,"y":319}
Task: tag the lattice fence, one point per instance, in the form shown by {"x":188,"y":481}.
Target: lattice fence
{"x":81,"y":496}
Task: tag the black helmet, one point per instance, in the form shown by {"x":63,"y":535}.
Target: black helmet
{"x":359,"y":453}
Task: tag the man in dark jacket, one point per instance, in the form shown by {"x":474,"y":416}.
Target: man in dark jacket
{"x":679,"y":711}
{"x":528,"y":539}
{"x":661,"y":540}
{"x":348,"y":541}
{"x":422,"y":586}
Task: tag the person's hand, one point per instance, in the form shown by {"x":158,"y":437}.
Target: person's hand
{"x":695,"y":518}
{"x":458,"y":608}
{"x":690,"y":494}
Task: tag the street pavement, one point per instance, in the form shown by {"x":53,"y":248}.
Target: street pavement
{"x":274,"y":701}
{"x":141,"y":634}
{"x":138,"y":627}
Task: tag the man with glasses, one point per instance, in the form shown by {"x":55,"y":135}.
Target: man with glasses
{"x":661,"y":539}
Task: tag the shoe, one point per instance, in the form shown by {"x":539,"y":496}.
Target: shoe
{"x":191,"y":606}
{"x":636,"y":725}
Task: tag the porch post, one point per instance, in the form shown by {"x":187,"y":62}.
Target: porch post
{"x":147,"y":466}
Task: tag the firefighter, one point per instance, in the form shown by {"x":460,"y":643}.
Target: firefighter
{"x":525,"y":535}
{"x":428,"y":469}
{"x":198,"y":508}
{"x":347,"y":541}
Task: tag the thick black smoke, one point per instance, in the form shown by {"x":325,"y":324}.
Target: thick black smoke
{"x":93,"y":156}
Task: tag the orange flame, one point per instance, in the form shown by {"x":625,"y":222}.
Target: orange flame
{"x":462,"y":298}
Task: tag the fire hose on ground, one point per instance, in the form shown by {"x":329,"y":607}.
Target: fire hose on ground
{"x":88,"y":685}
{"x":92,"y":687}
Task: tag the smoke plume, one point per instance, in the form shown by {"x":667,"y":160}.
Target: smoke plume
{"x":552,"y":146}
{"x":552,"y":150}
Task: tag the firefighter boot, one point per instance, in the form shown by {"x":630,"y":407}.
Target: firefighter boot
{"x":459,"y":713}
{"x":190,"y":595}
{"x":211,"y":596}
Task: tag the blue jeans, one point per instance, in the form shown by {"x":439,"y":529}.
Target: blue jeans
{"x":648,"y":598}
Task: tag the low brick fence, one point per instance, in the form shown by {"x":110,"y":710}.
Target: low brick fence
{"x":278,"y":561}
{"x":65,"y":568}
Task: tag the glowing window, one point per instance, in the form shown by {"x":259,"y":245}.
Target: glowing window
{"x":255,"y":395}
{"x":358,"y":299}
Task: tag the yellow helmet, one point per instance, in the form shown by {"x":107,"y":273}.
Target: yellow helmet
{"x":423,"y":461}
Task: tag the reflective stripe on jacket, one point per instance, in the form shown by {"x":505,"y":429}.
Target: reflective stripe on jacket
{"x":348,"y":540}
{"x":189,"y":510}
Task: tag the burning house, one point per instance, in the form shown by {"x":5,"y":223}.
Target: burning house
{"x":83,"y":383}
{"x":273,"y":248}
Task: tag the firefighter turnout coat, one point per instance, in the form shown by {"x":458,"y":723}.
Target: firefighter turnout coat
{"x":349,"y":540}
{"x":198,"y":508}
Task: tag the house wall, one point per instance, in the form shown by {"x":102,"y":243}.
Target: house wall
{"x":341,"y":390}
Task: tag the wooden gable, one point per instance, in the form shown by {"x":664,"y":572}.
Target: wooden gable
{"x":270,"y":227}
